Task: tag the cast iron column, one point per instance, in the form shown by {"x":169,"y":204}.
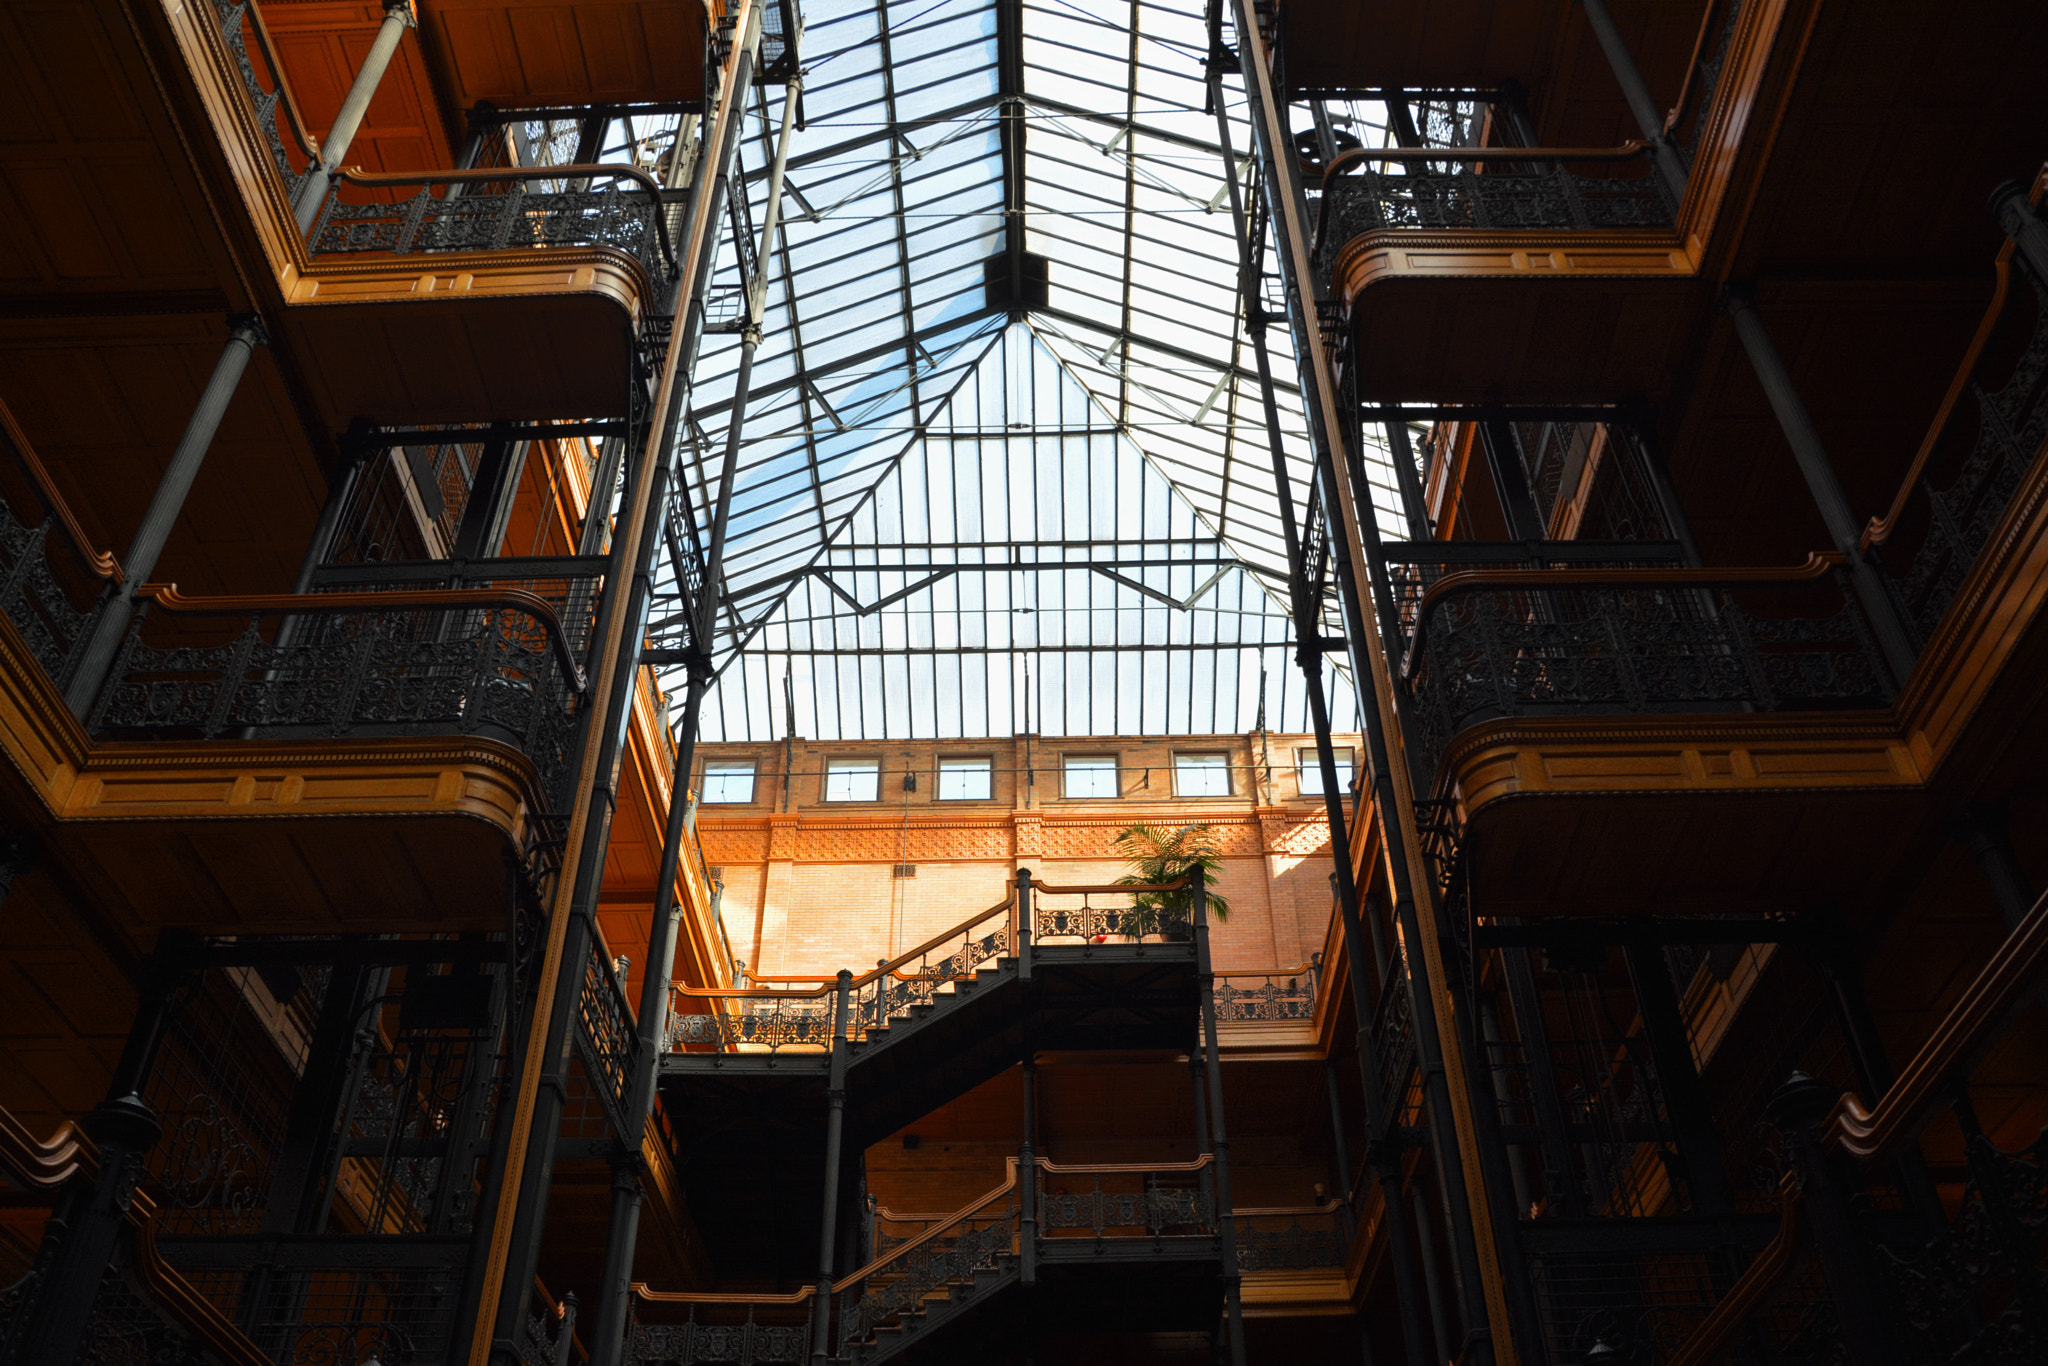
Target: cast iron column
{"x":835,"y":1120}
{"x":398,"y":17}
{"x":1670,"y":166}
{"x":1843,"y":529}
{"x":82,"y":1236}
{"x":1205,"y":978}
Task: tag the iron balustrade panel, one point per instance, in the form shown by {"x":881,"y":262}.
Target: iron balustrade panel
{"x":37,"y":603}
{"x":745,"y":1343}
{"x":606,"y":1037}
{"x":235,"y":20}
{"x":622,"y":217}
{"x":488,"y":672}
{"x":1494,"y":652}
{"x":126,"y":1323}
{"x":903,"y":1283}
{"x":1267,"y":996}
{"x":769,"y":1023}
{"x":1505,"y":197}
{"x":1291,"y":1240}
{"x":1393,"y":1045}
{"x":1989,"y":1259}
{"x":1415,"y":567}
{"x":1705,"y":83}
{"x":2012,"y":428}
{"x":1129,"y":1206}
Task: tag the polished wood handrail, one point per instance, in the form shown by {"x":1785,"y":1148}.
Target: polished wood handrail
{"x":1692,"y":69}
{"x":970,"y":1212}
{"x":356,"y":175}
{"x":1082,"y":1168}
{"x":307,"y":142}
{"x":1875,"y":1135}
{"x":1266,"y":972}
{"x":100,"y":562}
{"x":642,"y":1291}
{"x":167,"y":596}
{"x":1880,"y":529}
{"x":1818,"y":565}
{"x":45,"y":1163}
{"x":831,"y":983}
{"x":1287,"y":1211}
{"x":192,"y":1310}
{"x":1112,"y":888}
{"x":1747,"y":1294}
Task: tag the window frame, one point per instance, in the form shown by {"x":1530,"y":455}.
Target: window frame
{"x":1306,"y":763}
{"x":753,"y":767}
{"x":874,"y":767}
{"x":1229,"y":788}
{"x":987,"y":769}
{"x":1115,"y":771}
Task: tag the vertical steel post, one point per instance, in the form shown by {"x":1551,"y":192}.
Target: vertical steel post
{"x":1027,"y":1177}
{"x":245,"y":334}
{"x":1670,"y":166}
{"x":1800,"y":1107}
{"x":398,"y":17}
{"x":1685,"y":1099}
{"x":1843,"y":529}
{"x":1226,"y":1223}
{"x":835,"y":1121}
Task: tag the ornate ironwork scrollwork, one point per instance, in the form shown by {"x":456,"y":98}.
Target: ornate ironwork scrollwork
{"x":699,"y":1344}
{"x":905,"y":1281}
{"x":616,"y":216}
{"x":606,"y":1037}
{"x":1274,"y":996}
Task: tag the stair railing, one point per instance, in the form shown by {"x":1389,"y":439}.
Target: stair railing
{"x":774,"y":1018}
{"x":899,"y":1281}
{"x":2005,"y":442}
{"x":1099,"y":924}
{"x":1815,"y":1206}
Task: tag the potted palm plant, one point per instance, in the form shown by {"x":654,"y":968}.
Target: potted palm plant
{"x":1157,"y":856}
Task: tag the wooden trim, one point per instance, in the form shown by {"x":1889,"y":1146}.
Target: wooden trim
{"x":1084,"y":1168}
{"x":1747,"y":1294}
{"x":1877,"y":1134}
{"x":100,"y":562}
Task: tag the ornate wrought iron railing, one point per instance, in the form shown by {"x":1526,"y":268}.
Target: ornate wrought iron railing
{"x":502,"y":214}
{"x":1415,"y":567}
{"x":52,"y":580}
{"x":487,"y":662}
{"x":1282,"y":994}
{"x":719,"y":1330}
{"x":1133,"y":913}
{"x":239,"y":22}
{"x":982,"y":1237}
{"x":1991,"y":437}
{"x":606,"y":1037}
{"x":1126,"y":1200}
{"x":1292,"y":1238}
{"x":1393,"y":1044}
{"x":800,"y":1015}
{"x":1579,"y":642}
{"x":1516,"y":189}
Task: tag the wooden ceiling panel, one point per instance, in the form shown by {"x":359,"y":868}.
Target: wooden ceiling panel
{"x":322,"y":46}
{"x":533,"y":53}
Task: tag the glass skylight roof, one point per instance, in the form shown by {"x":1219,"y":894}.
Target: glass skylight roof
{"x":947,"y":522}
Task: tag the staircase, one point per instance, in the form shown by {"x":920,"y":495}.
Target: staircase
{"x":918,"y":1031}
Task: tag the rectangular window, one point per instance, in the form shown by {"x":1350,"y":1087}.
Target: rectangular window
{"x":966,"y":780}
{"x":1091,"y":775}
{"x":1311,"y":770}
{"x":852,"y":780}
{"x":1201,"y":775}
{"x":729,"y":780}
